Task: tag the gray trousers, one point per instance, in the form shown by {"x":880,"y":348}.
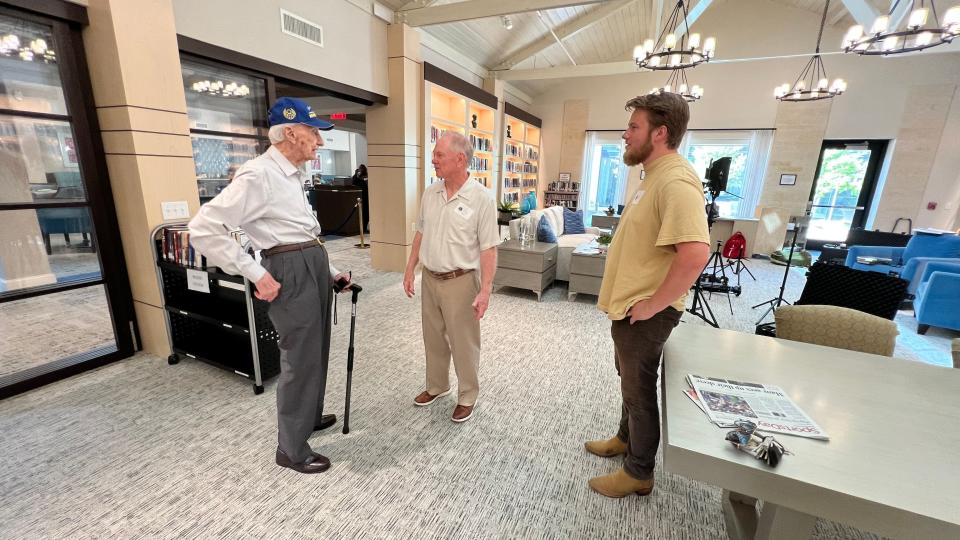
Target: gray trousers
{"x":637,"y":348}
{"x":301,"y":314}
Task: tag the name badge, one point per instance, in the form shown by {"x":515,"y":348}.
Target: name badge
{"x":463,"y":211}
{"x":637,"y":196}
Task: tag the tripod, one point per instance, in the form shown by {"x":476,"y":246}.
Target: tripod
{"x":738,"y":266}
{"x":777,"y":301}
{"x":700,"y":307}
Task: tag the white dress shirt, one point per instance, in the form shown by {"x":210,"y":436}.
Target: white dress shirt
{"x":455,"y":231}
{"x":267,"y":200}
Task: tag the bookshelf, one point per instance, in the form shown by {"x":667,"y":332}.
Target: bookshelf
{"x":451,"y":104}
{"x":520,"y":172}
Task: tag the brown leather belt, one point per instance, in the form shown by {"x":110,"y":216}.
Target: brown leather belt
{"x":449,"y":275}
{"x":283,"y":248}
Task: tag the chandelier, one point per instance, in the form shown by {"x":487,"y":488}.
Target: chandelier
{"x":677,"y":84}
{"x":819,"y":86}
{"x":220,"y":89}
{"x":916,"y":36}
{"x":668,"y":52}
{"x":36,"y":50}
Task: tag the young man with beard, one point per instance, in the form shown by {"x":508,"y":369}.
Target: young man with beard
{"x":659,"y":250}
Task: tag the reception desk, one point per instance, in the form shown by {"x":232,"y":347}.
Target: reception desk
{"x":334,"y":206}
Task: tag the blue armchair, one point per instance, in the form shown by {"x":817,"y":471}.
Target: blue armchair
{"x":908,"y":262}
{"x":938,"y":297}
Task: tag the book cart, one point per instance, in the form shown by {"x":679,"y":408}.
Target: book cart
{"x":212,"y":316}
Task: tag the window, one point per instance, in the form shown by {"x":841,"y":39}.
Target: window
{"x":749,"y":151}
{"x":228,"y":124}
{"x":604,"y":174}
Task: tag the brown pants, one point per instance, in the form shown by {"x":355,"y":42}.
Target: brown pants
{"x":637,"y":349}
{"x":449,"y":328}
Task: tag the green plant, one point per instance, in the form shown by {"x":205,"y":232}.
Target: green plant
{"x":507,"y":206}
{"x":604,"y":239}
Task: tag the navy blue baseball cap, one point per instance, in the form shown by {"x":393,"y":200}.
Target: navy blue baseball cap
{"x":295,"y":111}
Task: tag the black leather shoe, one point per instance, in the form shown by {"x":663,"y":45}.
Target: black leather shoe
{"x":314,"y":464}
{"x":326,"y":421}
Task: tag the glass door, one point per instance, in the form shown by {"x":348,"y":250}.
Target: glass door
{"x":65,"y":302}
{"x":843,"y":189}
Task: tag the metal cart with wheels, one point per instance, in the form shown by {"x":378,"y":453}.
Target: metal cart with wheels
{"x":220,"y":323}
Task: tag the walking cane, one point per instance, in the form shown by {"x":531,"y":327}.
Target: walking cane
{"x":355,"y":290}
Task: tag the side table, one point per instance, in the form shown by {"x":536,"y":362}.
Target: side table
{"x":586,"y":271}
{"x":531,"y":267}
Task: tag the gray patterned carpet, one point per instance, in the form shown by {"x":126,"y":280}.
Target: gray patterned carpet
{"x":140,"y":449}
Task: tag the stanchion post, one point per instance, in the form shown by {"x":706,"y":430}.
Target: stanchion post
{"x":362,"y":244}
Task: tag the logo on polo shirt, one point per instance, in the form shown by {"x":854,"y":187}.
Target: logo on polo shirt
{"x":289,"y":113}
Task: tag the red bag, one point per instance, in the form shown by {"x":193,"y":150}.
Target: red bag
{"x":735,"y":247}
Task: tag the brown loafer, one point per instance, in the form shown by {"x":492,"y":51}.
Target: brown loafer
{"x":314,"y":464}
{"x":462,"y":413}
{"x":426,"y":398}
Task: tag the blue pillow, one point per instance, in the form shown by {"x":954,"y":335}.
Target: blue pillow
{"x":573,"y":221}
{"x":545,"y":231}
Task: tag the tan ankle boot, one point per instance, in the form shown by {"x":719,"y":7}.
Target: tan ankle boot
{"x":608,"y":448}
{"x":620,"y":484}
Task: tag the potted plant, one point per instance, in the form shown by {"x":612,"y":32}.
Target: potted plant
{"x":603,"y":241}
{"x":610,"y":211}
{"x":505,"y":210}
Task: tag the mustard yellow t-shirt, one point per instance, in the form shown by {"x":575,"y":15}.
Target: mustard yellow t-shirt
{"x":667,"y":209}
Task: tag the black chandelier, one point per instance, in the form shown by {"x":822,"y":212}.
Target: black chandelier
{"x":677,"y":84}
{"x":819,"y":86}
{"x":917,"y":35}
{"x":668,"y":53}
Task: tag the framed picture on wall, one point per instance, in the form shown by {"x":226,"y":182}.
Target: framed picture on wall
{"x":788,"y":179}
{"x":565,"y":177}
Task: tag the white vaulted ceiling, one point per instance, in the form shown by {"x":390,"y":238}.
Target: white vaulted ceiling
{"x":488,"y":43}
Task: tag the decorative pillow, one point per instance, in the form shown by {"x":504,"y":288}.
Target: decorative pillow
{"x":573,"y":221}
{"x":545,"y":232}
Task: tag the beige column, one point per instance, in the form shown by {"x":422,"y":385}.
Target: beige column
{"x":138,"y":90}
{"x":395,"y":153}
{"x":914,"y":153}
{"x":796,"y":150}
{"x":576,"y":112}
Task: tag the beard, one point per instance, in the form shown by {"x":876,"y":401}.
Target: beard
{"x":635,"y":156}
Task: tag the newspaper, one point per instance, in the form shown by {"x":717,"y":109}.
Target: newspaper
{"x":726,"y":401}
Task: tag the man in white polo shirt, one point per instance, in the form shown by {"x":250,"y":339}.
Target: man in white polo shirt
{"x":457,"y":238}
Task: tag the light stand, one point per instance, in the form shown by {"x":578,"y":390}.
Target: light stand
{"x":778,"y":300}
{"x":359,"y":206}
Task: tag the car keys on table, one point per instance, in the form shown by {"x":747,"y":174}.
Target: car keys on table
{"x":746,"y":438}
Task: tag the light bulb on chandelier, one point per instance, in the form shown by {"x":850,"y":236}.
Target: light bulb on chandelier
{"x":923,"y":30}
{"x":678,"y":81}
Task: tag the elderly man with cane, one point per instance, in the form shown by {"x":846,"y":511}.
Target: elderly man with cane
{"x":266,"y":200}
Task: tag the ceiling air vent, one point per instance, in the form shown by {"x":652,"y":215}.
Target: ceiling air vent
{"x":301,"y":28}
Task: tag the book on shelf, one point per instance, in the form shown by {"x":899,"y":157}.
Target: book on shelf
{"x":175,"y":247}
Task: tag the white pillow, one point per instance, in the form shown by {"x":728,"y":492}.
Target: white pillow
{"x":556,"y":218}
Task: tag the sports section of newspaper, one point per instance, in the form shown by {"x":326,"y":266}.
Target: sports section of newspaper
{"x":726,"y":401}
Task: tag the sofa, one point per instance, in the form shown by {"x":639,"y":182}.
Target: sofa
{"x":566,"y":243}
{"x":937,"y":302}
{"x":908,"y":262}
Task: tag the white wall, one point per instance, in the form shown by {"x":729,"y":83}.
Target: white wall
{"x":355,"y":42}
{"x":739,"y":95}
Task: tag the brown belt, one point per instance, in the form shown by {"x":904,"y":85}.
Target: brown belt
{"x":449,"y":275}
{"x":283,"y":248}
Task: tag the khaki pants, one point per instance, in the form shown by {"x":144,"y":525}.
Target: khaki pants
{"x":449,"y":327}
